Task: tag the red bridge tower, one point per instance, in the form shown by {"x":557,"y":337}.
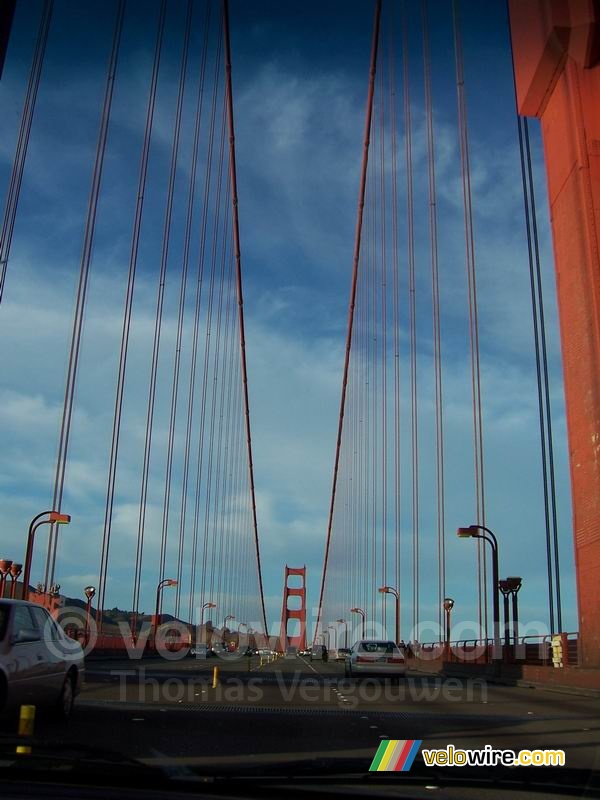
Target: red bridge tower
{"x":288,"y":613}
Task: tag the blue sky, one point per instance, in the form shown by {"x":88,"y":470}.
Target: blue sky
{"x":299,"y":72}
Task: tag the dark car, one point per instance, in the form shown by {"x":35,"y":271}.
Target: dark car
{"x":318,"y":653}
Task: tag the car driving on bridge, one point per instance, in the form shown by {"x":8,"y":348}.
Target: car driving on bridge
{"x":375,"y":658}
{"x":39,"y":663}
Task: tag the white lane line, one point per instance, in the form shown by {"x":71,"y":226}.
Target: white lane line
{"x":308,"y":664}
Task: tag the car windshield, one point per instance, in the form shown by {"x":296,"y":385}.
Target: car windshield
{"x":300,"y":392}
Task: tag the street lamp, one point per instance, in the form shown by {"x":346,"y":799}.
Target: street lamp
{"x":363,"y":616}
{"x":391,"y":590}
{"x":53,"y":517}
{"x":228,"y":617}
{"x":479,"y":532}
{"x":245,"y":624}
{"x":510,"y":588}
{"x":334,"y":629}
{"x":89,"y":592}
{"x":448,"y":606}
{"x":159,"y":588}
{"x":345,"y":624}
{"x":206,"y":605}
{"x":515,"y":584}
{"x":5,"y":566}
{"x":15,"y":571}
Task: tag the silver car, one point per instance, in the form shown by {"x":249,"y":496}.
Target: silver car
{"x":39,"y":664}
{"x":377,"y":658}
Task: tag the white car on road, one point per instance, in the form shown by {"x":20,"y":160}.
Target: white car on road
{"x":377,"y":658}
{"x":39,"y":664}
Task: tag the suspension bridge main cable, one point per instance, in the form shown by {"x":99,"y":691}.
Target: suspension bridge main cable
{"x":356,"y":258}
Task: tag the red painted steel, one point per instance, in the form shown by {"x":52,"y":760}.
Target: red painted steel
{"x":556,"y":47}
{"x":298,"y":641}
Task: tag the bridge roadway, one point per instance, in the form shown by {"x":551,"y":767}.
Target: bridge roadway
{"x":297,"y":711}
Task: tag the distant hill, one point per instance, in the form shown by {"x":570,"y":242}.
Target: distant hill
{"x":112,"y":616}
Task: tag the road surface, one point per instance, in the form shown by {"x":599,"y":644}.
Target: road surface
{"x":296,"y":712}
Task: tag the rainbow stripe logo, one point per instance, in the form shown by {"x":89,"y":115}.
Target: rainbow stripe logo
{"x":395,"y":755}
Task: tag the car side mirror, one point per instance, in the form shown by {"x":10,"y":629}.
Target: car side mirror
{"x":25,"y":635}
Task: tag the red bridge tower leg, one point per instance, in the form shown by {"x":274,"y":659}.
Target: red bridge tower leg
{"x":556,"y":47}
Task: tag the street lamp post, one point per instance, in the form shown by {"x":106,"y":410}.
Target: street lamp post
{"x":479,"y":532}
{"x":89,"y":592}
{"x":506,"y":593}
{"x":228,"y":617}
{"x":53,"y":517}
{"x":448,"y":606}
{"x":245,"y":624}
{"x":334,"y":629}
{"x":206,"y":605}
{"x":514,"y":584}
{"x":159,"y":588}
{"x":345,"y":624}
{"x":363,"y":615}
{"x":5,"y":566}
{"x":395,"y":593}
{"x":15,"y":571}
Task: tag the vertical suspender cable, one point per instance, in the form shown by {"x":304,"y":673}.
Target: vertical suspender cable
{"x":198,"y":295}
{"x":473,"y":315}
{"x":133,"y":256}
{"x":166,"y":240}
{"x":357,"y":240}
{"x":541,"y":363}
{"x":86,"y":257}
{"x":208,"y":322}
{"x":414,"y":409}
{"x":217,"y":368}
{"x":437,"y":334}
{"x":374,"y":382}
{"x":536,"y":337}
{"x":182,"y":288}
{"x":395,"y":313}
{"x":240,"y":297}
{"x":546,"y":382}
{"x":226,"y":488}
{"x":219,"y":234}
{"x":16,"y":178}
{"x":384,"y":449}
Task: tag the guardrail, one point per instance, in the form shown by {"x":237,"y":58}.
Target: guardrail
{"x":534,"y":649}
